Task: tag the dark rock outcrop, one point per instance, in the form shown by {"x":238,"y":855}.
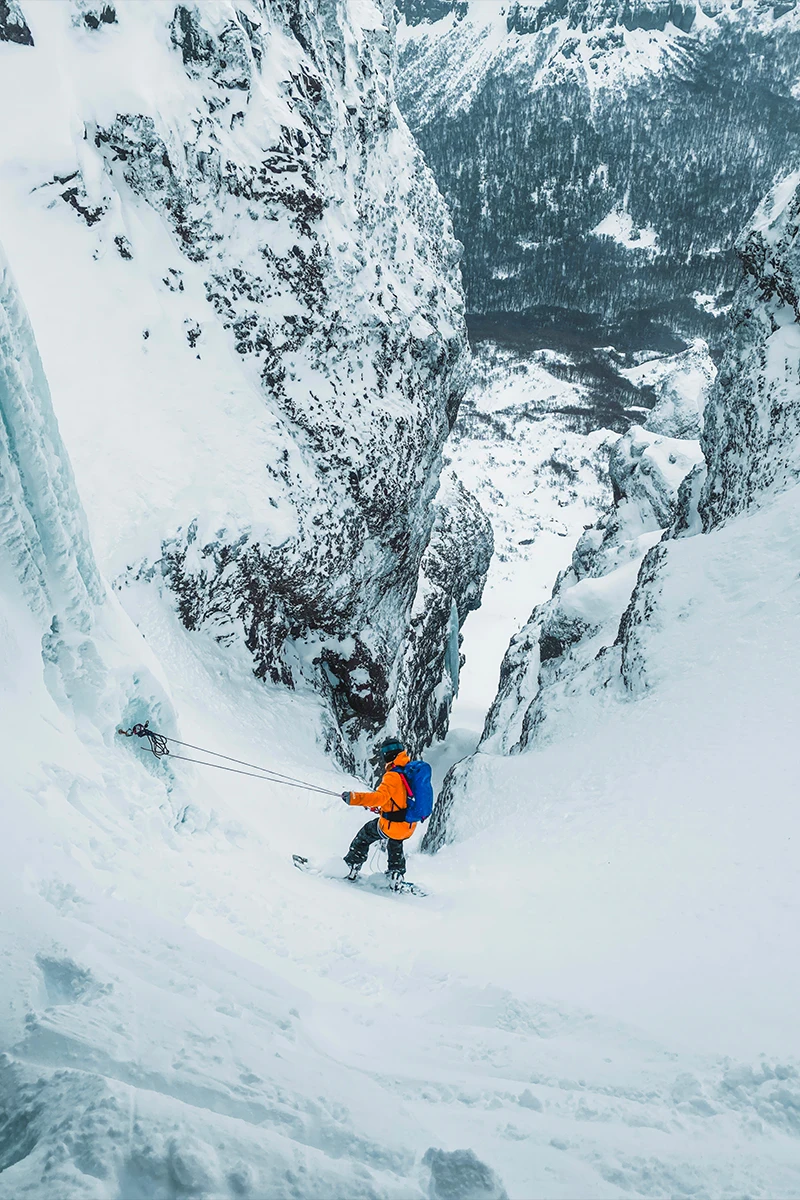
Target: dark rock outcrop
{"x":13,"y":26}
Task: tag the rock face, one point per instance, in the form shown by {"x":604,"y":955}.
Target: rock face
{"x":13,"y":26}
{"x":752,"y":435}
{"x":293,"y":195}
{"x":460,"y":1175}
{"x":452,"y":577}
{"x":598,"y":640}
{"x":600,"y":155}
{"x":355,"y":328}
{"x":681,"y":395}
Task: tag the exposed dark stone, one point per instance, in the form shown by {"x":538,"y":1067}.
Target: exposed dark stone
{"x":193,"y":332}
{"x":460,"y":1175}
{"x":13,"y":26}
{"x":362,"y":390}
{"x":123,"y":246}
{"x":76,"y":198}
{"x":194,"y":42}
{"x":105,"y":14}
{"x":551,"y":647}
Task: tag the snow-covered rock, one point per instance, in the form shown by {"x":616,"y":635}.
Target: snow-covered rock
{"x":680,"y":385}
{"x":269,"y":276}
{"x":568,"y":645}
{"x":752,"y":435}
{"x":13,"y":27}
{"x":547,"y":660}
{"x":452,"y":579}
{"x":460,"y":1175}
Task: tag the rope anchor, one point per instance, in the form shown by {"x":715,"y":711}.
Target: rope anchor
{"x":158,"y":743}
{"x":159,"y":748}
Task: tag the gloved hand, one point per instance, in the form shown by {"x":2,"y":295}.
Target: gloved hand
{"x":346,"y":797}
{"x":375,"y":809}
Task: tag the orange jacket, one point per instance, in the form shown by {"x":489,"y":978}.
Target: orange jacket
{"x":389,"y":796}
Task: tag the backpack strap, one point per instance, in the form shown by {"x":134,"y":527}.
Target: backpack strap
{"x":399,"y":814}
{"x":406,"y":784}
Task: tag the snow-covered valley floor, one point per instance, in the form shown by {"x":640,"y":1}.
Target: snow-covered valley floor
{"x":596,"y":998}
{"x":541,"y":482}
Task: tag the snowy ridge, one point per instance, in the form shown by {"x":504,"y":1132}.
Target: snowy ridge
{"x":646,"y":466}
{"x":259,"y":247}
{"x":547,"y":659}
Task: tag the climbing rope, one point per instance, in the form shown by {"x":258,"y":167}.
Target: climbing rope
{"x":159,"y":748}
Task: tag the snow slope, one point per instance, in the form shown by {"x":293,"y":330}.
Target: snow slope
{"x":185,"y":1015}
{"x":646,"y":811}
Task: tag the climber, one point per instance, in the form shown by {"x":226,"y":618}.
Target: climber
{"x":390,"y":798}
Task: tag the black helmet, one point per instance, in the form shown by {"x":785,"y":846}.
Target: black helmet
{"x":389,"y":749}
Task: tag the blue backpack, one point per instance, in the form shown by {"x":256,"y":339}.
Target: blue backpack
{"x":417,"y":776}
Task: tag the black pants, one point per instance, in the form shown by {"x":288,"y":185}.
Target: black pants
{"x":369,"y":833}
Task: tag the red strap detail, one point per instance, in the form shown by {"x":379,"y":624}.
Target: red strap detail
{"x":405,"y":781}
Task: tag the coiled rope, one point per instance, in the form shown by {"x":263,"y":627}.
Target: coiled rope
{"x":159,"y":748}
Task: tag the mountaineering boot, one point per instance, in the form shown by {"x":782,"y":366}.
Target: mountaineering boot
{"x":354,"y":870}
{"x":396,"y":880}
